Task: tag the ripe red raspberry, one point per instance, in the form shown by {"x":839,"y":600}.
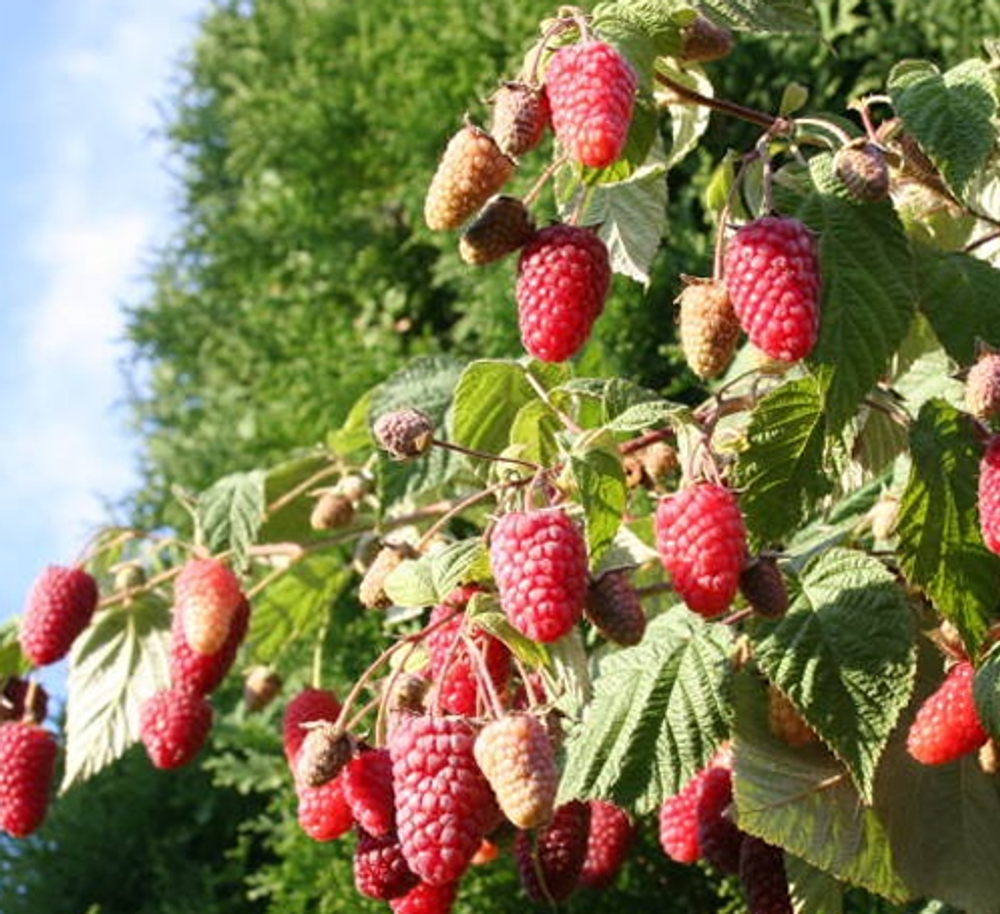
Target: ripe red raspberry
{"x":368,"y":791}
{"x":708,"y":327}
{"x":550,"y":859}
{"x":678,"y":822}
{"x":947,"y":726}
{"x":308,"y":705}
{"x":591,"y":90}
{"x":60,"y":604}
{"x":701,"y":539}
{"x":472,"y":169}
{"x":173,"y":725}
{"x":563,"y":277}
{"x":611,"y":834}
{"x":613,"y":608}
{"x":982,"y":387}
{"x":424,"y":898}
{"x":762,"y":874}
{"x":452,"y":668}
{"x":989,"y":495}
{"x":719,"y":838}
{"x":380,"y":870}
{"x":444,"y":804}
{"x":208,"y":596}
{"x":502,"y":226}
{"x":323,"y":813}
{"x":520,"y":116}
{"x":539,"y":560}
{"x":773,"y":279}
{"x":27,"y":766}
{"x":203,"y":672}
{"x":516,"y":756}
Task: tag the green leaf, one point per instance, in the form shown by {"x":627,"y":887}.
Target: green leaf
{"x":642,"y":29}
{"x":659,"y":711}
{"x":354,"y":433}
{"x":12,"y":659}
{"x":940,"y":546}
{"x":534,"y":431}
{"x":424,"y":383}
{"x":431,"y":578}
{"x":230,"y":513}
{"x":869,"y":294}
{"x":950,"y":114}
{"x":121,"y":659}
{"x":641,"y":416}
{"x":688,"y":123}
{"x":597,"y":470}
{"x":986,"y":691}
{"x":926,"y":372}
{"x":802,"y":800}
{"x":781,"y":472}
{"x":763,"y":15}
{"x":411,"y":583}
{"x":845,"y":656}
{"x":484,"y":610}
{"x":290,"y":523}
{"x":812,"y":890}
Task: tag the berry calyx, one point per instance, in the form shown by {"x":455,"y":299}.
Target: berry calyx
{"x":60,"y":605}
{"x":947,"y":725}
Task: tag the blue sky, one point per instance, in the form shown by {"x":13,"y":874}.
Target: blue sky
{"x":85,"y":195}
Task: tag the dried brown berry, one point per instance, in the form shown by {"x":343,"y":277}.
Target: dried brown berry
{"x":613,"y":608}
{"x":260,"y":687}
{"x":371,"y":592}
{"x":863,"y":168}
{"x":404,"y":433}
{"x":704,"y":41}
{"x":503,"y":226}
{"x":520,"y":116}
{"x":709,"y":329}
{"x":763,"y":587}
{"x":331,"y":511}
{"x":325,"y":751}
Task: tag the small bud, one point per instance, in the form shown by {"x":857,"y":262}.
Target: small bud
{"x":407,"y":693}
{"x":658,"y":461}
{"x":883,"y":516}
{"x":260,"y":687}
{"x":404,"y":433}
{"x":989,"y":758}
{"x":354,"y":487}
{"x":325,"y":751}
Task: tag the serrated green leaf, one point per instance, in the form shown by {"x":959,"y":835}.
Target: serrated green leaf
{"x":659,"y":23}
{"x":688,"y":123}
{"x":431,"y":578}
{"x":645,"y":415}
{"x":659,"y":712}
{"x":812,"y":891}
{"x":628,"y":550}
{"x":950,"y":114}
{"x":763,"y":15}
{"x":600,"y":480}
{"x":230,"y":513}
{"x":411,"y":584}
{"x":846,"y":657}
{"x":869,"y":293}
{"x":534,"y":430}
{"x":425,"y":383}
{"x":803,"y":800}
{"x":781,"y":472}
{"x":484,"y":611}
{"x":12,"y":659}
{"x":290,"y":523}
{"x":354,"y":433}
{"x":925,"y":371}
{"x":117,"y":662}
{"x":940,"y":546}
{"x":986,"y":691}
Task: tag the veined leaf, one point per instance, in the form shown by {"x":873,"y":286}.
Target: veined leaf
{"x":659,"y":711}
{"x":764,"y":15}
{"x":429,"y":579}
{"x":231,"y":511}
{"x":597,"y":469}
{"x":12,"y":659}
{"x":687,"y":122}
{"x":484,"y":611}
{"x":846,"y":657}
{"x":987,"y":693}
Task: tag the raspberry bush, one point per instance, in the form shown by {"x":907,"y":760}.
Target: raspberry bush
{"x":693,"y":610}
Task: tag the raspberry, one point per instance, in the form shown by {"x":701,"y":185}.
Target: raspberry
{"x":611,"y":834}
{"x":709,"y":330}
{"x":307,"y":706}
{"x":323,"y":813}
{"x":454,"y":671}
{"x":472,"y":169}
{"x":862,"y":167}
{"x":704,"y":41}
{"x":719,"y":838}
{"x":60,"y":604}
{"x":208,"y":596}
{"x":503,"y":226}
{"x":947,"y":726}
{"x":613,"y":608}
{"x":702,"y":543}
{"x":444,"y":804}
{"x":678,"y":822}
{"x":404,"y":433}
{"x":516,"y":756}
{"x":563,"y":277}
{"x":380,"y":870}
{"x":203,"y":672}
{"x":591,"y":90}
{"x":173,"y":725}
{"x":763,"y":587}
{"x":331,"y":511}
{"x":550,"y":865}
{"x":368,"y":791}
{"x":785,"y":721}
{"x":520,"y":116}
{"x":424,"y":898}
{"x":260,"y":687}
{"x":773,"y":279}
{"x":27,"y":767}
{"x":539,"y":560}
{"x":762,"y":874}
{"x":982,"y":387}
{"x":989,"y":495}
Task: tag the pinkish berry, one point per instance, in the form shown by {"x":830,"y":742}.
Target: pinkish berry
{"x":701,"y":539}
{"x":368,"y":790}
{"x":773,"y":278}
{"x":539,"y":560}
{"x":989,"y":495}
{"x":591,"y":91}
{"x":27,"y":767}
{"x":982,"y":387}
{"x":762,"y":874}
{"x":424,"y":898}
{"x":444,"y":804}
{"x":173,"y":725}
{"x":947,"y":725}
{"x":719,"y":838}
{"x":60,"y":604}
{"x":204,"y":672}
{"x":563,"y":278}
{"x":380,"y":870}
{"x":611,"y":834}
{"x":323,"y":812}
{"x":520,"y":116}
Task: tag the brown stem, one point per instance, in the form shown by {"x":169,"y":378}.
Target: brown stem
{"x":483,"y":455}
{"x":760,"y":118}
{"x":300,"y":489}
{"x":644,"y":440}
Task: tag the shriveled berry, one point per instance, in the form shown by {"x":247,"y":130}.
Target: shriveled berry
{"x":863,"y":168}
{"x":551,"y":858}
{"x":307,"y":706}
{"x":539,"y":560}
{"x":708,"y":327}
{"x":200,"y":672}
{"x":208,"y":596}
{"x":325,"y":752}
{"x":404,"y":433}
{"x":701,"y":538}
{"x":60,"y":605}
{"x":947,"y":725}
{"x":424,"y":898}
{"x":368,"y":790}
{"x":519,"y":117}
{"x":982,"y":387}
{"x":591,"y":92}
{"x":563,"y":278}
{"x":331,"y":511}
{"x":772,"y":275}
{"x":989,"y":495}
{"x":173,"y":725}
{"x":611,"y":835}
{"x":703,"y":41}
{"x":323,"y":813}
{"x":371,"y":591}
{"x":502,"y":226}
{"x":763,"y":587}
{"x":380,"y":870}
{"x":613,"y":608}
{"x":27,"y":767}
{"x":762,"y":875}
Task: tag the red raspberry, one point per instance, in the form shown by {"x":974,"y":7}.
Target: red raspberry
{"x":208,"y":596}
{"x":424,"y":898}
{"x":701,"y":539}
{"x":762,"y":874}
{"x":982,"y":387}
{"x":173,"y":725}
{"x":27,"y":766}
{"x":989,"y":495}
{"x":308,"y":705}
{"x":323,"y":812}
{"x":380,"y":870}
{"x":613,"y":608}
{"x":203,"y":672}
{"x":719,"y":838}
{"x":591,"y":90}
{"x":678,"y":822}
{"x":452,"y":669}
{"x":947,"y":726}
{"x":368,"y":791}
{"x":444,"y":804}
{"x":550,"y":865}
{"x":611,"y":834}
{"x":773,"y":279}
{"x":60,"y":604}
{"x":539,"y":560}
{"x":563,"y":277}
